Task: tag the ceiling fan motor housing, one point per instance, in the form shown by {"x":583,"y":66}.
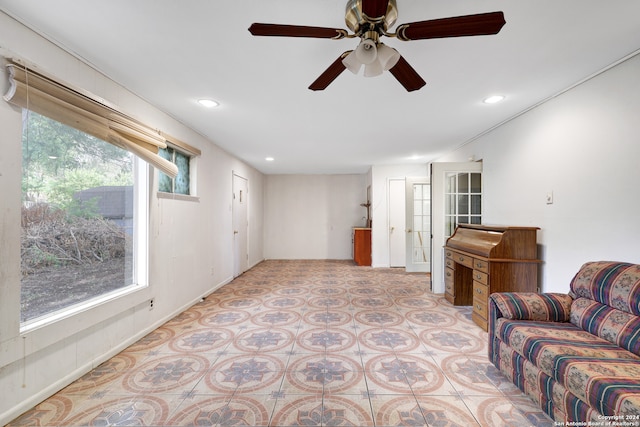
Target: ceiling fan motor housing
{"x":360,"y":23}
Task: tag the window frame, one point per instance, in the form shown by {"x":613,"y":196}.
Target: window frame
{"x":173,"y":152}
{"x":140,"y":287}
{"x":67,"y":333}
{"x":192,"y":156}
{"x":452,"y":197}
{"x":37,"y":336}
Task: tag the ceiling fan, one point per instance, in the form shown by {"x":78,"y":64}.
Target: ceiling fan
{"x":369,"y":20}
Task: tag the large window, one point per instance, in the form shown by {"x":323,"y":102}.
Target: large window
{"x":83,"y":218}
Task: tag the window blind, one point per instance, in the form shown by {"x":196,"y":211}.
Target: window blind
{"x":50,"y":97}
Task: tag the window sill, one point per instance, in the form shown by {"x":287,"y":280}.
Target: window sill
{"x":60,"y":315}
{"x":40,"y":333}
{"x":172,"y":196}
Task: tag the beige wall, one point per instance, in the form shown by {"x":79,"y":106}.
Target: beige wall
{"x":311,"y":216}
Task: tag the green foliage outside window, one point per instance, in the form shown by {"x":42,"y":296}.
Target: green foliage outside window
{"x":58,"y":161}
{"x":77,"y":217}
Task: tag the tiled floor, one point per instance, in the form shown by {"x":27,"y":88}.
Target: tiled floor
{"x":303,"y":343}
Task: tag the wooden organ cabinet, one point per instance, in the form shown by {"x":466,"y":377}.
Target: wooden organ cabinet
{"x":481,"y":260}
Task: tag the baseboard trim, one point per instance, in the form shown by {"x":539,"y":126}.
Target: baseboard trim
{"x":49,"y":391}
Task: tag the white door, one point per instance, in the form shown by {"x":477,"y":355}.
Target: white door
{"x":439,"y":181}
{"x":240,"y":225}
{"x":397,"y":245}
{"x":418,"y":229}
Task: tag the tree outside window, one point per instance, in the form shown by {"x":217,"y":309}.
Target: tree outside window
{"x":78,"y":217}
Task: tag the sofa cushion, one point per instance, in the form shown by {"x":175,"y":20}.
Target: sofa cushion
{"x":616,"y":326}
{"x":610,"y":386}
{"x":615,"y":284}
{"x":547,"y":307}
{"x":542,"y":342}
{"x":593,"y":369}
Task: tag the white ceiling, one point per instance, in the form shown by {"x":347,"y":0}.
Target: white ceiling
{"x":173,"y":52}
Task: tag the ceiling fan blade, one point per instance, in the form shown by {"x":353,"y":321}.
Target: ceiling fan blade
{"x":375,"y":8}
{"x":330,"y":74}
{"x":279,"y":30}
{"x":407,"y":76}
{"x":459,"y":26}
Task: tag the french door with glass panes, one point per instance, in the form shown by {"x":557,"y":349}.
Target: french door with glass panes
{"x":418,"y":220}
{"x":463,"y":200}
{"x":456,"y":197}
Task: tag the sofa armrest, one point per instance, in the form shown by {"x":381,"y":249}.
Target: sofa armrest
{"x":546,"y":307}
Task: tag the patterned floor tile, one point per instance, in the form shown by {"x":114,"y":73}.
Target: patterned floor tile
{"x":328,"y":317}
{"x":397,"y":410}
{"x":452,"y":340}
{"x":211,"y":411}
{"x":503,"y":412}
{"x":166,"y":373}
{"x":251,"y":373}
{"x":295,"y":410}
{"x":264,"y":340}
{"x":278,"y":317}
{"x":326,"y":339}
{"x":389,"y":340}
{"x":223,"y":318}
{"x":334,"y":374}
{"x":447,"y":410}
{"x":143,"y":410}
{"x":378,"y":318}
{"x":313,"y":343}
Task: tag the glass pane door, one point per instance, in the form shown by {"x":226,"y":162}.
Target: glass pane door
{"x":421,"y":223}
{"x":463,"y":199}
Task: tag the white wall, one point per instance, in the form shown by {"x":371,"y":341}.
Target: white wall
{"x":584,"y":146}
{"x":190,"y":241}
{"x":311,"y":216}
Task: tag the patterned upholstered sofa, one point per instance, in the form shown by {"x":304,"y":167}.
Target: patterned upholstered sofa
{"x":576,"y":355}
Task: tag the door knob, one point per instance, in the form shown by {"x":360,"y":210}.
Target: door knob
{"x":409,"y":230}
{"x":235,"y":231}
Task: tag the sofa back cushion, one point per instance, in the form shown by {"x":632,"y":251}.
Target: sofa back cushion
{"x":616,"y":326}
{"x":615,"y":284}
{"x":547,"y":307}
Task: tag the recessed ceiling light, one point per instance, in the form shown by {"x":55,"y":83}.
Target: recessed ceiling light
{"x":209,"y":103}
{"x":493,"y":99}
{"x":269,"y":159}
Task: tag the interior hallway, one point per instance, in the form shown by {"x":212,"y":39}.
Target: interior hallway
{"x":313,"y":343}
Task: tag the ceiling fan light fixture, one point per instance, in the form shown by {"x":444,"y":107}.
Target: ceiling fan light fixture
{"x":366,"y":52}
{"x":352,"y":63}
{"x":374,"y":69}
{"x":387,"y":56}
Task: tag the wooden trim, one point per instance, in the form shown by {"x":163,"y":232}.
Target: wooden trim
{"x":180,"y":145}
